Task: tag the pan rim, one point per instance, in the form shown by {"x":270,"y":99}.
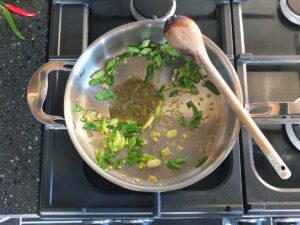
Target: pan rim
{"x":137,"y":187}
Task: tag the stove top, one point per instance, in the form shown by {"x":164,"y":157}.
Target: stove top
{"x":263,"y":45}
{"x":69,"y":187}
{"x":267,"y":56}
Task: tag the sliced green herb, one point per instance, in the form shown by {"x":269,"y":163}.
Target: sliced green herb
{"x":180,"y":160}
{"x":170,"y":51}
{"x":100,"y":155}
{"x":161,"y":154}
{"x":196,"y":119}
{"x":190,"y":104}
{"x":146,"y":157}
{"x":169,"y":61}
{"x":172,"y":165}
{"x":197,"y":76}
{"x":111,"y":63}
{"x":157,"y":60}
{"x":149,"y":74}
{"x":94,"y":82}
{"x":194,"y":90}
{"x":201,"y":161}
{"x":134,"y":156}
{"x":108,"y":157}
{"x":130,"y":128}
{"x":78,"y":108}
{"x":118,"y":164}
{"x":210,"y":86}
{"x":159,"y":94}
{"x":146,"y":51}
{"x":124,"y":56}
{"x":182,"y":120}
{"x":173,"y":93}
{"x":158,"y":110}
{"x":154,"y":53}
{"x":110,"y":80}
{"x":92,"y":125}
{"x":144,"y":44}
{"x":117,"y":139}
{"x":106,"y":95}
{"x":175,"y":164}
{"x":132,"y":50}
{"x":114,"y":122}
{"x":131,"y":143}
{"x":103,"y":165}
{"x":97,"y":74}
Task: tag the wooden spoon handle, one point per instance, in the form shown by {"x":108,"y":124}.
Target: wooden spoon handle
{"x":268,"y":150}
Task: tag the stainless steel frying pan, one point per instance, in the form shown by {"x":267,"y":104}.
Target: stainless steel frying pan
{"x":216,"y":137}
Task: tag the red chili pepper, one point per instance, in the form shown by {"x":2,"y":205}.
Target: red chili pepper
{"x":19,"y":11}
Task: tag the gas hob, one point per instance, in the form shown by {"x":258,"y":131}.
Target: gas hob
{"x":263,"y":45}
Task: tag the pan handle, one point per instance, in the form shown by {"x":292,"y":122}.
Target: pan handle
{"x":37,"y":92}
{"x":270,"y":109}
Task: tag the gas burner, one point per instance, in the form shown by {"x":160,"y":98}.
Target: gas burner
{"x":154,"y":9}
{"x":291,"y":133}
{"x":291,"y":10}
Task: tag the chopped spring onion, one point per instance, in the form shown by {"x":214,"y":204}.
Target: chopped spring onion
{"x":170,"y":51}
{"x":157,"y":60}
{"x":119,"y":163}
{"x":190,"y":104}
{"x":149,"y":74}
{"x":132,"y":50}
{"x":195,"y":120}
{"x":78,"y":108}
{"x":201,"y":161}
{"x":173,"y":93}
{"x":182,"y":120}
{"x":196,"y":117}
{"x":172,"y":165}
{"x":111,"y":63}
{"x":106,"y":95}
{"x":144,"y":44}
{"x":194,"y":90}
{"x":159,"y":94}
{"x":210,"y":86}
{"x":97,"y":74}
{"x":146,"y":51}
{"x":180,"y":160}
{"x":175,"y":164}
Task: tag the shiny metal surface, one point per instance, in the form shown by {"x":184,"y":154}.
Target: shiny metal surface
{"x":79,"y":91}
{"x":266,"y":109}
{"x":139,"y":17}
{"x":291,"y":132}
{"x":288,"y":12}
{"x":249,"y":59}
{"x":37,"y":92}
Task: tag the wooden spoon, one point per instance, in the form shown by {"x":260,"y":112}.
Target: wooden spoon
{"x":184,"y":35}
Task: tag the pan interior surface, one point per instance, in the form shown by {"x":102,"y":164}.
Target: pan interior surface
{"x":215,"y":138}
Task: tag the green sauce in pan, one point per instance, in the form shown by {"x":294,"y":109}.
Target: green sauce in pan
{"x":134,"y":100}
